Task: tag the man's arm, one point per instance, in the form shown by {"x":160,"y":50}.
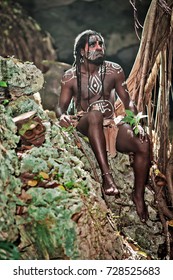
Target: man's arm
{"x":122,"y":91}
{"x":64,"y":101}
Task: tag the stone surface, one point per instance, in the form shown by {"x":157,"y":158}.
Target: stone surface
{"x":21,"y":77}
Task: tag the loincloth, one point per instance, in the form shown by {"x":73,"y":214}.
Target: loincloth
{"x":110,"y":128}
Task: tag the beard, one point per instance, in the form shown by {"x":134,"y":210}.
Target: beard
{"x":97,"y":61}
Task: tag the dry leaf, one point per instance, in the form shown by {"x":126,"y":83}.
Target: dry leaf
{"x":142,"y":254}
{"x":170,"y":223}
{"x":61,"y":187}
{"x":134,"y":247}
{"x":32,"y":183}
{"x":44,"y":175}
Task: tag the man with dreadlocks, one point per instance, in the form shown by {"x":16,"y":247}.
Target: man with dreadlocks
{"x":93,"y":83}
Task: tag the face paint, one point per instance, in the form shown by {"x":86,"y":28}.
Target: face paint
{"x":95,"y":49}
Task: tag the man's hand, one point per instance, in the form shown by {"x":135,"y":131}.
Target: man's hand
{"x":134,"y":121}
{"x":142,"y":133}
{"x":64,"y":120}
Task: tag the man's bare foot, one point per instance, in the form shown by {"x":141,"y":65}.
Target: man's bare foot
{"x":108,"y":185}
{"x":141,"y":208}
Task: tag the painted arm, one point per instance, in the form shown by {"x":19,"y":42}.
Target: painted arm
{"x":123,"y":94}
{"x":64,"y":101}
{"x":122,"y":91}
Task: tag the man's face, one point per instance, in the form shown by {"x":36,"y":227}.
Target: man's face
{"x":94,"y":50}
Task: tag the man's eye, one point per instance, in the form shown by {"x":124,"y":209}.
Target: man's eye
{"x":92,"y":44}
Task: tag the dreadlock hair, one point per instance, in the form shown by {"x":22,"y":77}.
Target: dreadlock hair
{"x":79,"y":44}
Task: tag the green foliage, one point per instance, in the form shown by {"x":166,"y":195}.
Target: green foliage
{"x":80,"y":185}
{"x":43,"y":241}
{"x":8,"y":251}
{"x":5,"y":102}
{"x":41,"y":216}
{"x":69,"y":129}
{"x":10,"y":187}
{"x":7,"y":130}
{"x":26,"y":77}
{"x":133,"y":120}
{"x":60,"y":166}
{"x":10,"y":184}
{"x":69,"y":184}
{"x":22,"y":105}
{"x":46,"y":228}
{"x":3,"y":84}
{"x":51,"y":211}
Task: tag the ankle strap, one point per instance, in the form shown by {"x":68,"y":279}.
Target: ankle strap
{"x":107,"y":173}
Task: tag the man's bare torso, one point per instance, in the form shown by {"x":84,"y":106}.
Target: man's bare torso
{"x":92,"y":86}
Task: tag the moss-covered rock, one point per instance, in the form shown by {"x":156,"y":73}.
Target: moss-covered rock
{"x":51,"y":201}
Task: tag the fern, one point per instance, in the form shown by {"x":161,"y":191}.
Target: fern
{"x":8,"y":251}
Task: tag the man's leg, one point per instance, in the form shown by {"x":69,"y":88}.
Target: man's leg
{"x":91,"y":125}
{"x":127,"y":142}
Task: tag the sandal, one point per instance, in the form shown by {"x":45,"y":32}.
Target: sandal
{"x":111,"y":190}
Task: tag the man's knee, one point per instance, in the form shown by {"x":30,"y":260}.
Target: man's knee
{"x":144,"y":147}
{"x":95,"y":117}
